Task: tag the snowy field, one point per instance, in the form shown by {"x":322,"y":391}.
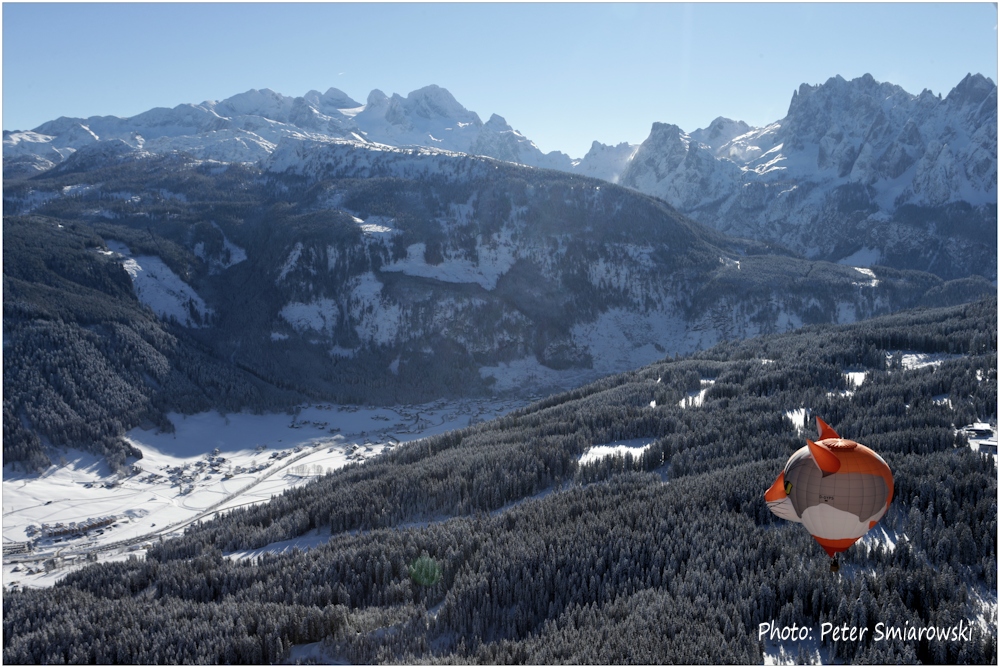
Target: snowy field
{"x":79,"y":509}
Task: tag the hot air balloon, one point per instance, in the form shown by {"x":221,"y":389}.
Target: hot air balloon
{"x":837,"y":488}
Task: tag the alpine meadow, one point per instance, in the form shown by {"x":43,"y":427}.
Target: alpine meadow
{"x":314,"y":380}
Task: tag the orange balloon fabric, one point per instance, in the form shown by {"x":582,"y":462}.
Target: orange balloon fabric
{"x":835,"y":487}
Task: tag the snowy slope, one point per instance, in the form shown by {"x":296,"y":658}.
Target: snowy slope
{"x":372,"y":256}
{"x":159,"y":288}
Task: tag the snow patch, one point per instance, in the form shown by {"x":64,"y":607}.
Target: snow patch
{"x":943,"y":400}
{"x":985,"y":605}
{"x":910,"y":360}
{"x":634,"y":447}
{"x":306,"y":541}
{"x":236,"y":254}
{"x":855,"y":378}
{"x":798,"y":418}
{"x":872,"y":283}
{"x":792,"y":653}
{"x":33,"y":200}
{"x":76,"y":189}
{"x":494,"y":260}
{"x":696,"y":399}
{"x":157,"y":286}
{"x":320,"y":315}
{"x":879,"y":535}
{"x":378,"y":320}
{"x":290,"y":262}
{"x":376,"y":225}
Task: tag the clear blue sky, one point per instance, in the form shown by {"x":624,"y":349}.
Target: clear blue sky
{"x":563,"y":74}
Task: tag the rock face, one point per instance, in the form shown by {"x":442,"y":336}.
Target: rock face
{"x":858,"y":171}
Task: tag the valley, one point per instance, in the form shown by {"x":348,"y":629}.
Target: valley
{"x":80,"y":512}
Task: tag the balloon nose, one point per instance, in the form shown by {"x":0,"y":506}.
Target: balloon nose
{"x":778,"y":490}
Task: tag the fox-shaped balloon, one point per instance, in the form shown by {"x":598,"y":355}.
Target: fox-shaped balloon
{"x":837,"y":488}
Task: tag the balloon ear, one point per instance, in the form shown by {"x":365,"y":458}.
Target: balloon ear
{"x":825,"y":430}
{"x":825,"y":460}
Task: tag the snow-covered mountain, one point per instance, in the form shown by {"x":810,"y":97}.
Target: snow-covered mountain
{"x":859,"y":171}
{"x":606,"y":162}
{"x":249,"y":126}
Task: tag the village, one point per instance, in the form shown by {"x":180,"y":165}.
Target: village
{"x":210,"y":463}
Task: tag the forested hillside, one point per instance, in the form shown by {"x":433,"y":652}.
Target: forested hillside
{"x":84,"y":362}
{"x":492,"y":544}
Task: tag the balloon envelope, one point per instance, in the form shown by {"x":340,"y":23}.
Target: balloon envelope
{"x":837,"y":488}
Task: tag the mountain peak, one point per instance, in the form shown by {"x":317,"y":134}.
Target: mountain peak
{"x":666,"y":131}
{"x":332,"y":99}
{"x":497,"y":123}
{"x":719,"y":132}
{"x":376,"y":99}
{"x":264,"y":102}
{"x":340,"y":99}
{"x":972,"y":89}
{"x":435,"y":102}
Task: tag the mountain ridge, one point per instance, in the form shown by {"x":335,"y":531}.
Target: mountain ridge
{"x":857,"y":171}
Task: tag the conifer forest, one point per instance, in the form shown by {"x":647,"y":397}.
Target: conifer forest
{"x":494,"y":544}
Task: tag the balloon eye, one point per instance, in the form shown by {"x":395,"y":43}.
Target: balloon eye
{"x":788,"y":488}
